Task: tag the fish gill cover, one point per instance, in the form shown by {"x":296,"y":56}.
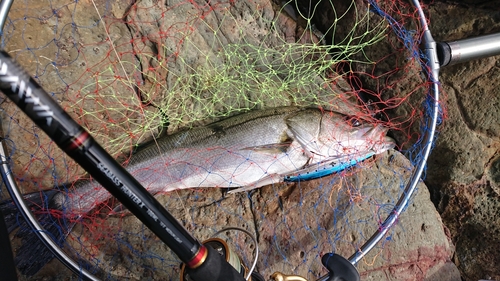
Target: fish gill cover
{"x":133,"y":71}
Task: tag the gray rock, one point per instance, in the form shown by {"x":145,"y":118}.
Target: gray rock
{"x":294,"y":223}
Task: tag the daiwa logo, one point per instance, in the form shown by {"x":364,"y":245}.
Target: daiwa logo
{"x":25,"y":95}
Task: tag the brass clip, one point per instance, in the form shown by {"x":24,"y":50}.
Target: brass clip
{"x":278,"y":276}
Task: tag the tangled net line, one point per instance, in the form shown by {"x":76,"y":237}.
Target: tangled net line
{"x":131,"y":72}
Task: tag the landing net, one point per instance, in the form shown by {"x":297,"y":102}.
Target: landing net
{"x":134,"y":71}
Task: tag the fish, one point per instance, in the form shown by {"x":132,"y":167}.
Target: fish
{"x":241,"y":153}
{"x":245,"y":152}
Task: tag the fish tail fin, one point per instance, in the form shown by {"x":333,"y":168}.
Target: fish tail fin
{"x":32,"y":255}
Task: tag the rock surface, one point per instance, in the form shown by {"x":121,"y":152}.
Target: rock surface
{"x":313,"y":218}
{"x":296,"y":223}
{"x":462,"y":168}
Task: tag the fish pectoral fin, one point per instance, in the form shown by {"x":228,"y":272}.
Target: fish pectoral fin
{"x":267,"y":180}
{"x":275,"y":148}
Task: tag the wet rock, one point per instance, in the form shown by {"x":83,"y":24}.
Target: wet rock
{"x":494,"y":175}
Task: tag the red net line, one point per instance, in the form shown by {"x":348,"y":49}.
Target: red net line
{"x":140,"y":70}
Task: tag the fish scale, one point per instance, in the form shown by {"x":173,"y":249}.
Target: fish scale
{"x":248,"y":151}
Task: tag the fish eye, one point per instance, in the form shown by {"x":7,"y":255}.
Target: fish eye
{"x":352,"y":121}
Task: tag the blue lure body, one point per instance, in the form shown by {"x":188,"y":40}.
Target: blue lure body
{"x":324,"y":169}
